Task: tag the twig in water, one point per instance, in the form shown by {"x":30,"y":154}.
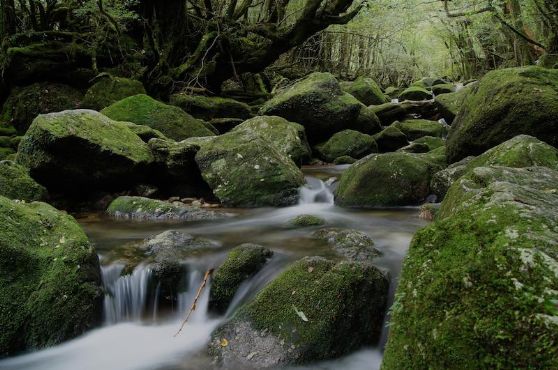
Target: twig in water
{"x":198,"y":294}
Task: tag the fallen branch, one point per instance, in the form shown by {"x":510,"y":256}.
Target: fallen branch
{"x":206,"y":277}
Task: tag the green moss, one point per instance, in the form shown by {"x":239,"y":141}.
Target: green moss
{"x":241,"y":263}
{"x":108,"y":90}
{"x":26,"y":103}
{"x":306,"y":221}
{"x":392,"y":179}
{"x":287,"y":137}
{"x":15,"y":183}
{"x":172,"y":121}
{"x":366,"y":90}
{"x":478,"y":287}
{"x":5,"y":153}
{"x":207,"y":108}
{"x":504,"y":104}
{"x":415,"y":93}
{"x":50,"y":288}
{"x":346,"y":143}
{"x":417,"y":128}
{"x":343,"y":300}
{"x":390,"y":139}
{"x":367,"y":122}
{"x":261,"y":176}
{"x":443,"y":89}
{"x":431,"y":142}
{"x":344,"y":160}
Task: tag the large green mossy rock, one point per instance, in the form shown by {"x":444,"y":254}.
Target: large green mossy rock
{"x":50,"y":284}
{"x":26,"y":103}
{"x":385,"y":180}
{"x":415,"y":93}
{"x":504,"y":104}
{"x":73,"y":152}
{"x":366,"y":90}
{"x":367,"y":121}
{"x":15,"y":183}
{"x":172,"y":121}
{"x":389,"y":112}
{"x":317,"y":309}
{"x":521,"y":151}
{"x":241,"y":263}
{"x":108,"y":90}
{"x":288,"y":138}
{"x":449,"y":104}
{"x":417,"y":128}
{"x":318,"y":103}
{"x":346,"y":143}
{"x":479,"y":287}
{"x":245,"y":170}
{"x":390,"y":139}
{"x":210,"y":107}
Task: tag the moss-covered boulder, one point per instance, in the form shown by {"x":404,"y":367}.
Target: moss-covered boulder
{"x":78,"y":151}
{"x":504,"y":104}
{"x":306,"y":221}
{"x":172,"y":121}
{"x":50,"y":284}
{"x":389,"y":112}
{"x":449,"y":104}
{"x":366,"y":90}
{"x":430,"y":142}
{"x":210,"y":107}
{"x":390,"y":139}
{"x":287,"y":137}
{"x":245,"y":170}
{"x":146,"y":209}
{"x":318,"y":103}
{"x":384,"y":180}
{"x":351,"y":244}
{"x":445,"y":88}
{"x":15,"y":183}
{"x":26,"y":103}
{"x":480,"y":285}
{"x":367,"y":121}
{"x":301,"y":316}
{"x":241,"y":263}
{"x":415,"y":93}
{"x":393,"y":91}
{"x":417,"y":128}
{"x":108,"y":90}
{"x":521,"y":151}
{"x":345,"y":159}
{"x":346,"y":143}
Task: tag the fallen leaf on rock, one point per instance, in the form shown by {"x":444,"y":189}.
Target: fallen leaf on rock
{"x":300,"y":314}
{"x":224,"y":342}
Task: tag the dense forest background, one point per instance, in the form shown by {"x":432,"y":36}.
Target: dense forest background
{"x":199,"y":44}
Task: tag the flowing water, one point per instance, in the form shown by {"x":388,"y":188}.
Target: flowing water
{"x":138,"y":334}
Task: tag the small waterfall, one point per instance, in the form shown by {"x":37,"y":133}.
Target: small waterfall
{"x":186,"y":299}
{"x":316,"y":191}
{"x":126,"y":296}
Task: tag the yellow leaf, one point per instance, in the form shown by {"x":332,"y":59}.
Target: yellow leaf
{"x":224,"y":342}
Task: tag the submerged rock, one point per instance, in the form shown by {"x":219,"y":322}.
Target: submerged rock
{"x":484,"y":275}
{"x":15,"y":183}
{"x":390,"y":139}
{"x":306,"y":221}
{"x":241,"y":263}
{"x":318,"y":103}
{"x":245,"y":170}
{"x":108,"y":90}
{"x":25,"y":103}
{"x":50,"y":284}
{"x":172,"y":121}
{"x":146,"y":209}
{"x":504,"y":104}
{"x":302,"y":314}
{"x":210,"y":107}
{"x":346,"y":143}
{"x":287,"y":137}
{"x":385,"y":180}
{"x":354,"y":245}
{"x":79,"y":151}
{"x":366,"y":90}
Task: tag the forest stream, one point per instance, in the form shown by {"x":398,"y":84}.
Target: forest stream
{"x":136,"y":334}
